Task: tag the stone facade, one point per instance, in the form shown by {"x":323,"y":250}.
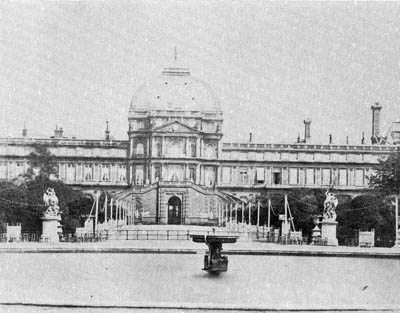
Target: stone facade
{"x":175,"y":167}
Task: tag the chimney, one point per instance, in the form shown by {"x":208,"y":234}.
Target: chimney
{"x":330,"y":139}
{"x":376,"y":117}
{"x":307,"y":132}
{"x":107,"y":132}
{"x":58,"y":132}
{"x":24,"y":131}
{"x":251,"y":137}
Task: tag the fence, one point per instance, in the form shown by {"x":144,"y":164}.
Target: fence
{"x":163,"y":234}
{"x":26,"y":237}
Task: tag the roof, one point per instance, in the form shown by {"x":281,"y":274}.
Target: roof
{"x":175,"y":89}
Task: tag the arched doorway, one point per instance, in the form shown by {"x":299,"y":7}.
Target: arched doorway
{"x":174,"y":210}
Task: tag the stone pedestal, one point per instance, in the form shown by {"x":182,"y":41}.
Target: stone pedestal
{"x":328,"y":232}
{"x":51,"y":228}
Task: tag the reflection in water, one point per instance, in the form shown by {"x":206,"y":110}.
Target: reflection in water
{"x":177,"y":279}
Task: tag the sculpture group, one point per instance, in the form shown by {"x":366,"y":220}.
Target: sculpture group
{"x":330,"y":205}
{"x":50,"y":199}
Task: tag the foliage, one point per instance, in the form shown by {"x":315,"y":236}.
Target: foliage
{"x":304,"y":204}
{"x":73,"y":204}
{"x":366,"y":212}
{"x":386,"y":179}
{"x":41,"y":163}
{"x":13,"y":208}
{"x":23,"y":203}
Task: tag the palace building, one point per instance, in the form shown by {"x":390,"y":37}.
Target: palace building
{"x":177,"y":170}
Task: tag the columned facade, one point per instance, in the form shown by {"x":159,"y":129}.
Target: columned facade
{"x":175,"y":168}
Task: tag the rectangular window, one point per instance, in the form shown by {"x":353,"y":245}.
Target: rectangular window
{"x":326,"y":176}
{"x":70,"y":172}
{"x":192,"y":174}
{"x":121,"y":173}
{"x":226,"y":175}
{"x":325,"y":157}
{"x":310,"y":176}
{"x":88,"y":172}
{"x":243,"y":176}
{"x":3,"y":169}
{"x":342,"y":177}
{"x":105,"y":172}
{"x":277,"y":178}
{"x":351,"y":157}
{"x":359,"y":177}
{"x":139,"y":175}
{"x":192,"y":147}
{"x":260,"y":175}
{"x":20,"y":169}
{"x":293,"y":176}
{"x":157,"y":173}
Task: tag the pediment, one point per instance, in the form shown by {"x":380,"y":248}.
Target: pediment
{"x":176,"y":127}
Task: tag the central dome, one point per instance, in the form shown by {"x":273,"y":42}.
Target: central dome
{"x":175,"y":89}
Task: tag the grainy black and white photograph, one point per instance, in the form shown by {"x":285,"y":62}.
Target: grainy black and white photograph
{"x":199,"y":156}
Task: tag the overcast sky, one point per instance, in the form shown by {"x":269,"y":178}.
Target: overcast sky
{"x":272,"y":64}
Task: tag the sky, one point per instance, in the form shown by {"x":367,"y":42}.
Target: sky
{"x":271,"y":64}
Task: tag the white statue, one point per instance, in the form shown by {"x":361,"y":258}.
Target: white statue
{"x":50,"y":199}
{"x":330,"y":205}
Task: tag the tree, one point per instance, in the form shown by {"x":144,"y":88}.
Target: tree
{"x":41,"y":163}
{"x":13,"y":208}
{"x":73,"y":203}
{"x":366,"y":212}
{"x":386,"y":180}
{"x":41,"y":175}
{"x":304,"y":204}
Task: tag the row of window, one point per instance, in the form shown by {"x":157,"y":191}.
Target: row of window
{"x":92,"y":172}
{"x":12,"y":169}
{"x":175,"y":173}
{"x":299,"y":156}
{"x":296,"y":176}
{"x":66,"y":151}
{"x":179,"y":147}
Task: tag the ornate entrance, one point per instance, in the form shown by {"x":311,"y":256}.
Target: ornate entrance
{"x":174,"y":210}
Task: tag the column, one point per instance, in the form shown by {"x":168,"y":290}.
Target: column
{"x":111,"y":209}
{"x":236,"y":213}
{"x":198,"y":147}
{"x":242,"y":208}
{"x":250,"y":207}
{"x":163,"y":148}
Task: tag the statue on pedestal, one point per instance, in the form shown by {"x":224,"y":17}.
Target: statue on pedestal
{"x":50,"y":199}
{"x":51,"y":227}
{"x":330,"y":205}
{"x":328,"y":223}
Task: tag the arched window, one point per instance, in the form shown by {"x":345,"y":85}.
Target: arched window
{"x":121,"y":173}
{"x":139,"y":148}
{"x":88,"y":172}
{"x":158,"y":149}
{"x":193,"y":149}
{"x":210,"y":151}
